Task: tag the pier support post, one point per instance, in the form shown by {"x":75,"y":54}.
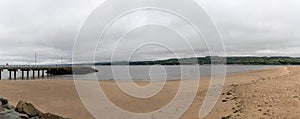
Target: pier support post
{"x":15,"y":74}
{"x":48,"y":74}
{"x":43,"y":73}
{"x":38,"y":73}
{"x":9,"y":76}
{"x":22,"y":74}
{"x":0,"y":74}
{"x":27,"y":74}
{"x":33,"y":73}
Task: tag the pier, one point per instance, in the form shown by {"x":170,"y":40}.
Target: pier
{"x":38,"y":70}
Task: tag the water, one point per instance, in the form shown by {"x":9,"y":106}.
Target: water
{"x":158,"y":72}
{"x":155,"y":72}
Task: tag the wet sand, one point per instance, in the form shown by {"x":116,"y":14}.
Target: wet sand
{"x":266,"y":93}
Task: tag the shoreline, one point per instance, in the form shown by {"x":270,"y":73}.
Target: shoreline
{"x":60,"y":96}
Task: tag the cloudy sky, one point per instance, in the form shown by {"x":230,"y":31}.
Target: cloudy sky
{"x":49,"y":29}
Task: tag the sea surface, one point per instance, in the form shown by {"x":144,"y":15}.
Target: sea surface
{"x":154,"y":72}
{"x":160,"y":72}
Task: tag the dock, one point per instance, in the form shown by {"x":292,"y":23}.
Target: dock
{"x":40,"y":70}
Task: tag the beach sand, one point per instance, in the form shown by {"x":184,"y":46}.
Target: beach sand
{"x":265,"y":93}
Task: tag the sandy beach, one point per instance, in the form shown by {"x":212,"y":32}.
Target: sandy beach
{"x":265,"y":93}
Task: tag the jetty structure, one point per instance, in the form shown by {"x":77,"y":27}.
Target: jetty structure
{"x":41,"y":70}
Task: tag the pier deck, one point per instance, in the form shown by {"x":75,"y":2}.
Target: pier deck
{"x":26,"y":69}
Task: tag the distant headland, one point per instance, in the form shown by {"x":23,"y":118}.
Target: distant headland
{"x":238,"y":60}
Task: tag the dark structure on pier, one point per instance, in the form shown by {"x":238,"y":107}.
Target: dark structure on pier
{"x":42,"y":69}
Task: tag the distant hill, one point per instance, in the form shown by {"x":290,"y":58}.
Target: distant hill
{"x":215,"y":59}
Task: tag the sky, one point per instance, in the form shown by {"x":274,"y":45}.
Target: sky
{"x":49,"y":28}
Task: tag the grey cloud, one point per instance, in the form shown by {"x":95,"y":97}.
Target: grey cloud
{"x":49,"y":28}
{"x":46,"y":27}
{"x":253,"y":27}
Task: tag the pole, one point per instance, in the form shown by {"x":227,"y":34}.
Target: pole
{"x":35,"y":59}
{"x":61,"y":58}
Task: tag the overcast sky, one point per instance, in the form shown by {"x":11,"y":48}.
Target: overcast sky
{"x":49,"y":28}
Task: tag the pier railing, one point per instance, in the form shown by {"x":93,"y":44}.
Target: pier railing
{"x":36,"y":66}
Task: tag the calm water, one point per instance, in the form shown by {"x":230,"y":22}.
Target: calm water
{"x":155,"y":72}
{"x":158,"y":72}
